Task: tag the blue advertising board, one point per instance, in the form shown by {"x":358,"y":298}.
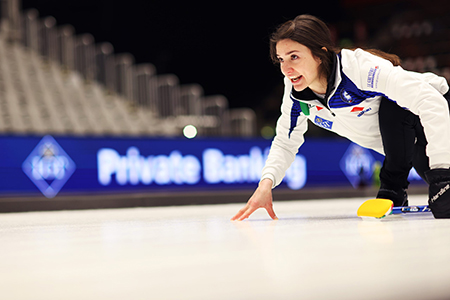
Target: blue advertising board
{"x":61,"y":165}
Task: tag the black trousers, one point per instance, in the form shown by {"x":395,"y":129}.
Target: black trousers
{"x":404,"y":144}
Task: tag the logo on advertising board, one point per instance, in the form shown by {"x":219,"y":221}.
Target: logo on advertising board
{"x":48,"y":166}
{"x":213,"y":167}
{"x":357,"y":165}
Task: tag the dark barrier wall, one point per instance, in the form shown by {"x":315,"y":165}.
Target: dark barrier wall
{"x":64,"y":165}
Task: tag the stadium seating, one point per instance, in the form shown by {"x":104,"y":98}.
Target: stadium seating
{"x":417,"y":31}
{"x":55,"y":82}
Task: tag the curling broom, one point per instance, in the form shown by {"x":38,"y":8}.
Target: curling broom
{"x":380,"y":208}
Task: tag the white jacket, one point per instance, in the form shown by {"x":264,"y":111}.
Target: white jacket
{"x":353,"y":96}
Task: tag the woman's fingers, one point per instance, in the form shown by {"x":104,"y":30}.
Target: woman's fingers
{"x":262,"y":197}
{"x":271,"y":212}
{"x":244,"y":213}
{"x":250,"y":209}
{"x":240,"y":213}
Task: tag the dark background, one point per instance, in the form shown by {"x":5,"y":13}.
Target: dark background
{"x":222,"y":47}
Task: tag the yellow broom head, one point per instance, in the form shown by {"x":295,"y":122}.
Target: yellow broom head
{"x":376,"y":208}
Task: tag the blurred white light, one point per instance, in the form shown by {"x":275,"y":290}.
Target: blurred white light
{"x":190,"y":131}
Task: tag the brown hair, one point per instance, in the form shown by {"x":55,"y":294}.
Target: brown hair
{"x":314,"y":34}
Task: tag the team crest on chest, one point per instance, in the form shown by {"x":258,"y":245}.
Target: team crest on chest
{"x":346,"y":97}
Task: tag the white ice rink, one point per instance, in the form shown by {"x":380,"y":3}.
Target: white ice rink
{"x":318,"y":249}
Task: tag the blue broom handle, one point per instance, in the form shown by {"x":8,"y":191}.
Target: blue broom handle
{"x":410,"y":209}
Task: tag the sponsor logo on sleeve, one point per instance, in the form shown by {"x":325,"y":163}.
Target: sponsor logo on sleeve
{"x":360,"y":110}
{"x":364,"y":111}
{"x":323,"y":123}
{"x":372,"y":78}
{"x":357,"y":109}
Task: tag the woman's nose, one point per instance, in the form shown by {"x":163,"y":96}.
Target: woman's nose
{"x":286,"y":69}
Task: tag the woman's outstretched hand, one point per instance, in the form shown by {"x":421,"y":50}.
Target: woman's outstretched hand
{"x":261,"y":198}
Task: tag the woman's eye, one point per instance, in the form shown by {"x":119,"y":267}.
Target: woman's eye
{"x":294,"y":57}
{"x":280,"y":60}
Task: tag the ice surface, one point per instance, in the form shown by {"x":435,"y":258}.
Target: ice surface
{"x":318,"y":249}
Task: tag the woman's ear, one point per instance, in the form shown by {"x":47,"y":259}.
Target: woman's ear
{"x":325,"y":49}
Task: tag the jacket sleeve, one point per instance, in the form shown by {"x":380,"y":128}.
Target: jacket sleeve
{"x":286,"y":143}
{"x":419,"y":93}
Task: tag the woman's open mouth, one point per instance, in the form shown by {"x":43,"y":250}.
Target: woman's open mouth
{"x":296,"y":79}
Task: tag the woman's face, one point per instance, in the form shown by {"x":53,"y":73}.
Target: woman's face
{"x":299,"y":65}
